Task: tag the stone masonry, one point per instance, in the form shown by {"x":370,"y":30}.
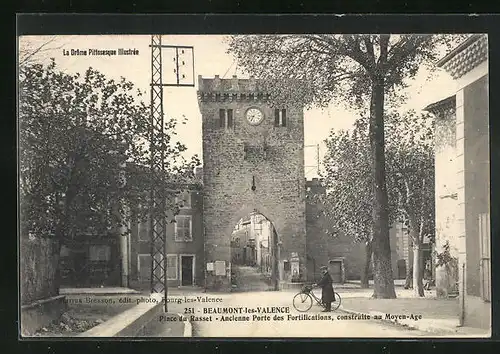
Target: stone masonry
{"x":250,"y":168}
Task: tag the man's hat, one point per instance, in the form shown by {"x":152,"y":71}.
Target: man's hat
{"x":324,"y":268}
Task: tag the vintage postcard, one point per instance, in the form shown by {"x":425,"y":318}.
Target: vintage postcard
{"x":254,"y":186}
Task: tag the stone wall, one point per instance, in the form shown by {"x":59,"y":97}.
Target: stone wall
{"x":323,"y":245}
{"x":40,"y":300}
{"x":38,"y":266}
{"x":247,"y":168}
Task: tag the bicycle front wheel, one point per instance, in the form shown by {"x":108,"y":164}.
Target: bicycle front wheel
{"x":302,"y":302}
{"x":337,"y":302}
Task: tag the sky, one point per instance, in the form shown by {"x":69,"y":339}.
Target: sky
{"x":210,"y":59}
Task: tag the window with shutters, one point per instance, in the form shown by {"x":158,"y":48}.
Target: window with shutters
{"x":183,"y":228}
{"x":485,"y":256}
{"x":226,"y":118}
{"x":280,"y":118}
{"x":229,"y":113}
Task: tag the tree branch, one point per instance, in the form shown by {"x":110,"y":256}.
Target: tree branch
{"x":404,"y":47}
{"x":41,"y":48}
{"x":369,"y":50}
{"x":382,"y":60}
{"x":422,"y":217}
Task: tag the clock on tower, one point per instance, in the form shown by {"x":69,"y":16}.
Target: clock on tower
{"x":254,"y":116}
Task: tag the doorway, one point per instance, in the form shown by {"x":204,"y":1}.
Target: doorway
{"x":187,"y":270}
{"x":336,"y":271}
{"x":401,"y":268}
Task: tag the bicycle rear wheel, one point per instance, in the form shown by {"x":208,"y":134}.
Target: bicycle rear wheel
{"x":302,"y":302}
{"x":337,"y":302}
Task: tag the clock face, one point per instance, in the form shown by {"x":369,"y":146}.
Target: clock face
{"x":254,"y":116}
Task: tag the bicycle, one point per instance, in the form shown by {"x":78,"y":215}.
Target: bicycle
{"x":303,"y":300}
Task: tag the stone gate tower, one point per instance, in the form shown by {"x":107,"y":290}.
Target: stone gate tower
{"x":253,"y":160}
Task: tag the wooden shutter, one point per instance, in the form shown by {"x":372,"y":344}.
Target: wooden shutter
{"x":283,"y":117}
{"x":485,"y":257}
{"x":229,"y":118}
{"x":172,"y":266}
{"x":144,"y":267}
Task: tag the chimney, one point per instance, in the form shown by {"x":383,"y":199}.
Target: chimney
{"x":216,"y":85}
{"x":252,"y":83}
{"x":234,"y":83}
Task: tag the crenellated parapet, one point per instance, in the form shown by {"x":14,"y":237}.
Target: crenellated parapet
{"x":231,"y":90}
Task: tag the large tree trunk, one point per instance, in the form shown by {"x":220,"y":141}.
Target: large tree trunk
{"x":409,"y":277}
{"x":57,"y":260}
{"x":418,"y":270}
{"x":409,"y":265}
{"x":418,"y":285}
{"x":382,"y":268}
{"x":366,"y":270}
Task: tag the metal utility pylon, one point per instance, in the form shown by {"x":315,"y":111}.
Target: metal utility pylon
{"x":157,"y":193}
{"x":158,"y":147}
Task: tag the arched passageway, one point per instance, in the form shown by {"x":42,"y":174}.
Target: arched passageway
{"x":254,"y":254}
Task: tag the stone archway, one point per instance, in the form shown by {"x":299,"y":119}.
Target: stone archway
{"x":246,"y":210}
{"x":254,"y":252}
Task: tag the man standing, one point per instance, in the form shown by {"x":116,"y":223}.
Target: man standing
{"x":327,"y":293}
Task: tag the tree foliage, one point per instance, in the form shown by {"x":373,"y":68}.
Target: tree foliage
{"x":318,"y":69}
{"x":410,"y":169}
{"x":80,"y":138}
{"x":410,"y":177}
{"x":348,"y":201}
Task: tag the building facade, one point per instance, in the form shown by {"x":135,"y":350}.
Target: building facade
{"x":463,"y":206}
{"x":446,"y":193}
{"x":251,"y":242}
{"x":184,"y":245}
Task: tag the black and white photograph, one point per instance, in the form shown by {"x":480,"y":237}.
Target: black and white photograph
{"x":254,"y":186}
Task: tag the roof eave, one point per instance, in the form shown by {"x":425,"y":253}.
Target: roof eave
{"x":458,"y":49}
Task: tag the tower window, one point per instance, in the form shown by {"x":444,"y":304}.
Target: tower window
{"x":226,"y":118}
{"x":222,"y":118}
{"x":280,"y":117}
